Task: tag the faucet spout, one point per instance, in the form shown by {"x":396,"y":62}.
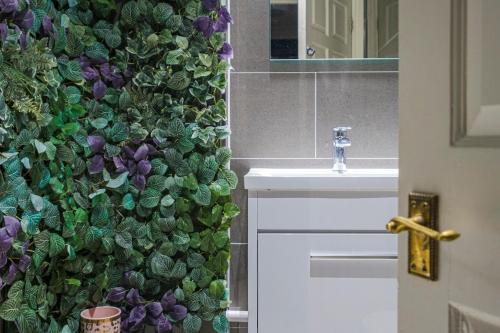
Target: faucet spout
{"x":340,"y":142}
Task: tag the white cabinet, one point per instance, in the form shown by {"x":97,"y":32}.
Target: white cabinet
{"x":343,"y":283}
{"x":319,"y":257}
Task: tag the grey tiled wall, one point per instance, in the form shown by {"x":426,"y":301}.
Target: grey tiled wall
{"x":284,"y":120}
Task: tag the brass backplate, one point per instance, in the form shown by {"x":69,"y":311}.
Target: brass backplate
{"x":422,"y":250}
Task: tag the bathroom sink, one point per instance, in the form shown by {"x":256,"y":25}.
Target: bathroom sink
{"x":322,"y":180}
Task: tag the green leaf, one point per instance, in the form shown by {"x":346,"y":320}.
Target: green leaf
{"x":102,"y":29}
{"x":130,"y":13}
{"x":150,"y":198}
{"x":42,"y":241}
{"x":8,"y":205}
{"x":128,"y":201}
{"x":203,"y":195}
{"x":56,"y":245}
{"x":16,"y":291}
{"x":119,"y":132}
{"x":182,"y":42}
{"x":97,"y":51}
{"x":40,"y":147}
{"x":191,"y":324}
{"x":99,"y":123}
{"x":167,"y":201}
{"x":70,"y":70}
{"x":220,"y":324}
{"x":37,"y":202}
{"x":27,"y":320}
{"x":179,"y":81}
{"x":221,"y":239}
{"x":124,"y":239}
{"x":205,"y":59}
{"x":231,"y":210}
{"x":118,"y":181}
{"x":161,"y":265}
{"x":223,"y":156}
{"x":72,"y":94}
{"x":162,"y":13}
{"x":30,"y":221}
{"x":10,"y":309}
{"x":230,"y":176}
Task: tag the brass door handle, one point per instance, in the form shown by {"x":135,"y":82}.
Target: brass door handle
{"x":399,"y":224}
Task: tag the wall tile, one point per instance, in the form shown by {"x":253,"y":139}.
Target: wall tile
{"x":367,"y":102}
{"x":239,"y":276}
{"x":272,"y":115}
{"x":250,"y":35}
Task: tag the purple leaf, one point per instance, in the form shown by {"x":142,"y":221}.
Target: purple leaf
{"x":25,"y":19}
{"x":152,"y":149}
{"x":210,"y":4}
{"x":96,"y":165}
{"x":47,"y":25}
{"x":226,"y":52}
{"x":163,"y":325}
{"x":144,"y":167}
{"x":154,"y":309}
{"x":224,"y":14}
{"x":12,"y":225}
{"x":8,"y":6}
{"x":139,"y":182}
{"x":25,"y":246}
{"x":11,"y":274}
{"x":179,"y":312}
{"x":120,"y":167}
{"x":3,"y":259}
{"x":24,"y":262}
{"x":142,"y":152}
{"x":4,"y":30}
{"x":96,"y":143}
{"x":22,"y":41}
{"x":204,"y":24}
{"x":5,"y":240}
{"x":132,"y":167}
{"x":117,"y":81}
{"x":128,"y":151}
{"x":137,"y":316}
{"x":117,"y":294}
{"x":168,"y":300}
{"x":99,"y":89}
{"x":133,"y":297}
{"x":89,"y":73}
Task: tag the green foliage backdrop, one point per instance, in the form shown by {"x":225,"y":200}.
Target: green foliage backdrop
{"x":114,"y":185}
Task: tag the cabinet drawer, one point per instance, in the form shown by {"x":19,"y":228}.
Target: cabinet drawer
{"x":327,"y":283}
{"x":282,"y":211}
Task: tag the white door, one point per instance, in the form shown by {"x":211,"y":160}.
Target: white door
{"x":329,"y":29}
{"x":466,"y":298}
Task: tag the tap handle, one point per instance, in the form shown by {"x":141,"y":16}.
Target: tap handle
{"x":341,"y":131}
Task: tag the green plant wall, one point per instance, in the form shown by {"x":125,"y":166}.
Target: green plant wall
{"x":114,"y":179}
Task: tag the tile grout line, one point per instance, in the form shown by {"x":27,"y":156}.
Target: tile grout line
{"x":313,"y":158}
{"x":315,"y":115}
{"x":320,"y":72}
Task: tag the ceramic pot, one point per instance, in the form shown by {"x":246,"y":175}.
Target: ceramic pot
{"x":102,"y":319}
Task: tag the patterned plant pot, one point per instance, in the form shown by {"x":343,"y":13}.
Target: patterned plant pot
{"x":102,"y":319}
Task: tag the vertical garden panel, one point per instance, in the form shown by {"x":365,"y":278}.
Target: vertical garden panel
{"x":114,"y":179}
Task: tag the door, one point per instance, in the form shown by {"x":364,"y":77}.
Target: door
{"x":329,"y":29}
{"x":466,"y":298}
{"x":328,"y":283}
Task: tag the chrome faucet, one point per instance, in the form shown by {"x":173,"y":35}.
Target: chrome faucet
{"x":340,"y":142}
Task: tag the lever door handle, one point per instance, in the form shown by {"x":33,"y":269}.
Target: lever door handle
{"x":399,"y":224}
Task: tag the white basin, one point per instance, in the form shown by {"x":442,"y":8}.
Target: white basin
{"x":379,"y":180}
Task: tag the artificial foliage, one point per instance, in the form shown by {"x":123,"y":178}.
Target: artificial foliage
{"x":114,"y":178}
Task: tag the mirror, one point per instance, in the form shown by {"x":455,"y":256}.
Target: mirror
{"x":334,"y":29}
{"x":475,"y":73}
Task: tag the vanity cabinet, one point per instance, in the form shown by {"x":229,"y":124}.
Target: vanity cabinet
{"x":320,"y":259}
